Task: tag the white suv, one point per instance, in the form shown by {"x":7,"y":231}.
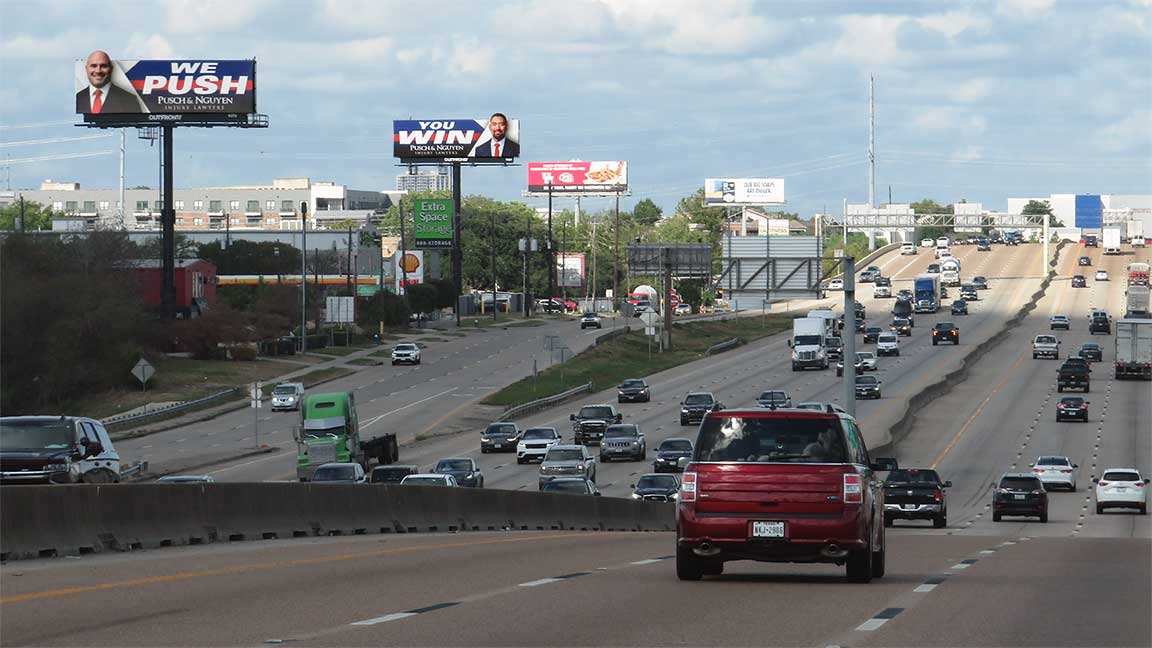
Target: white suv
{"x":887,"y":344}
{"x":534,"y":443}
{"x":908,"y":248}
{"x":407,"y":352}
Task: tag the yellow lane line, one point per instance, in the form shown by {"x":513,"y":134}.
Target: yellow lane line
{"x":283,"y":564}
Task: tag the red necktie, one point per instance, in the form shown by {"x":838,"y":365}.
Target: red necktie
{"x":495,"y":149}
{"x":96,"y":104}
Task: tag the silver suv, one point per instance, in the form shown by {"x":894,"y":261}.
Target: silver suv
{"x":567,"y":461}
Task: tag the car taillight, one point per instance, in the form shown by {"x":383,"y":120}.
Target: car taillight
{"x":1037,"y":470}
{"x":938,"y":495}
{"x":1083,"y":407}
{"x":1140,"y":484}
{"x":1065,"y":470}
{"x":1104,"y":483}
{"x":953,"y":331}
{"x":853,"y":493}
{"x":688,"y":487}
{"x":1038,"y":492}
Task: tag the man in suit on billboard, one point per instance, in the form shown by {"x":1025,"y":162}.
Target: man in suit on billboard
{"x":499,"y":146}
{"x":101,"y":95}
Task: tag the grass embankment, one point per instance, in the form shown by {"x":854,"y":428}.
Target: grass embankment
{"x":627,"y":356}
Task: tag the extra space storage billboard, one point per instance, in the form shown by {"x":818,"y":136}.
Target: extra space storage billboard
{"x":105,"y":86}
{"x":473,"y":140}
{"x":432,"y":222}
{"x":743,"y":191}
{"x":578,"y":177}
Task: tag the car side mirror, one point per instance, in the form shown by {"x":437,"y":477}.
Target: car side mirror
{"x":571,"y":417}
{"x":948,"y":484}
{"x":619,"y":417}
{"x":597,"y":493}
{"x":632,"y":486}
{"x":1075,"y":465}
{"x":789,"y":344}
{"x":992,"y":485}
{"x":91,"y":448}
{"x":1095,"y":480}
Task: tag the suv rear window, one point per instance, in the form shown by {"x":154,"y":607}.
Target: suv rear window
{"x":1117,"y":475}
{"x":1021,"y":483}
{"x":802,"y":440}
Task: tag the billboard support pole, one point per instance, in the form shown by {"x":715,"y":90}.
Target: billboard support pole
{"x":849,"y":349}
{"x":404,"y":249}
{"x":168,"y":287}
{"x":550,"y":254}
{"x":457,"y":251}
{"x":303,"y":276}
{"x":666,"y":258}
{"x":616,"y":261}
{"x":493,"y":239}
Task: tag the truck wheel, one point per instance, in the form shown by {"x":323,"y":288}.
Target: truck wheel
{"x":939,"y":522}
{"x":688,"y":566}
{"x":1044,"y":518}
{"x":995,"y":517}
{"x":859,"y":567}
{"x":1099,"y":510}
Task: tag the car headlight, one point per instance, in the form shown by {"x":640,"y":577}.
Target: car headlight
{"x":636,"y":496}
{"x":683,"y":411}
{"x":485,"y":439}
{"x":56,"y":467}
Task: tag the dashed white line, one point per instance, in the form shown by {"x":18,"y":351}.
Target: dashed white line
{"x":924,"y":588}
{"x":871,"y":624}
{"x":542,"y":581}
{"x":384,"y":619}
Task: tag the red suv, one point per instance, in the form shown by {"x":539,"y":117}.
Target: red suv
{"x":780,"y":486}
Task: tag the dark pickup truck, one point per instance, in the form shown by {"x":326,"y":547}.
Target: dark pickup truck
{"x":590,"y":423}
{"x":915,"y":494}
{"x":1073,"y":374}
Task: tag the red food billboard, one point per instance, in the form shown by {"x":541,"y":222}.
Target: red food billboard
{"x":578,"y":177}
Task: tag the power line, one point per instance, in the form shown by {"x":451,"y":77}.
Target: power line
{"x":54,"y":140}
{"x":64,"y":156}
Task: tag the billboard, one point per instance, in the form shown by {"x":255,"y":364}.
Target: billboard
{"x":578,"y":177}
{"x":432,"y":222}
{"x":1089,"y":211}
{"x":412,"y":263}
{"x":472,"y":140}
{"x":743,"y":191}
{"x":570,"y":270}
{"x":111,"y":87}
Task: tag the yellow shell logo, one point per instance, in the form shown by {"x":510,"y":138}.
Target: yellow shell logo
{"x":410,"y":263}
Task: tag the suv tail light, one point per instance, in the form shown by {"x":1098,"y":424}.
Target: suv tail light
{"x":1037,"y":470}
{"x":853,"y":490}
{"x":1066,"y":470}
{"x":1104,"y":483}
{"x":938,"y":496}
{"x":688,"y":487}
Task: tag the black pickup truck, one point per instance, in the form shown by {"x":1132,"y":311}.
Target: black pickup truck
{"x":915,"y":494}
{"x":1074,"y":374}
{"x":590,"y":423}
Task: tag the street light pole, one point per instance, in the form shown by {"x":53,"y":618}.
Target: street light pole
{"x":303,"y":276}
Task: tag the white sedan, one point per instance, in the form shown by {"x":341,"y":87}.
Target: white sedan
{"x":836,"y":284}
{"x":1056,"y":471}
{"x":927,"y":243}
{"x":429,"y":479}
{"x":1122,"y":488}
{"x":1101,"y":275}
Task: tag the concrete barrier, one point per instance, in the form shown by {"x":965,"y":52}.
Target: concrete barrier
{"x":47,"y":521}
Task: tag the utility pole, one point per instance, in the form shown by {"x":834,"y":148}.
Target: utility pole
{"x":120,"y":206}
{"x":348,"y":267}
{"x":550,"y":254}
{"x":168,"y":227}
{"x":849,"y":350}
{"x":527,"y":249}
{"x":871,"y":142}
{"x":616,"y":261}
{"x":303,"y":276}
{"x":20,"y":219}
{"x":404,"y":251}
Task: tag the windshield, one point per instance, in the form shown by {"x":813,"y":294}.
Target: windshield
{"x":1120,"y":475}
{"x":621,"y":431}
{"x":406,"y":347}
{"x":501,"y":428}
{"x":912,"y":476}
{"x":657,"y":481}
{"x":900,"y":322}
{"x":886,"y":337}
{"x":538,"y":433}
{"x":1053,"y":461}
{"x":391,"y":474}
{"x":1072,"y":400}
{"x":945,"y":325}
{"x":564,"y":454}
{"x":698,"y":399}
{"x":577,"y":487}
{"x":324,"y":432}
{"x":423,"y":481}
{"x":1045,"y":339}
{"x":833,"y":342}
{"x":676,"y":445}
{"x":51,"y":435}
{"x":807,"y":340}
{"x":590,"y":315}
{"x":595,"y":412}
{"x":282,"y":390}
{"x":1090,"y":347}
{"x":775,"y":396}
{"x":334,"y":473}
{"x":865,"y":380}
{"x":457,"y":465}
{"x":814,"y":440}
{"x":632,"y":383}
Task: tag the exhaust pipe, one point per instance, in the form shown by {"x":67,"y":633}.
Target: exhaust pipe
{"x":706,"y":549}
{"x":833,"y":551}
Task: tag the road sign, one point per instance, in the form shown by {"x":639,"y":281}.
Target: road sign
{"x":143,"y":372}
{"x":649,"y":318}
{"x":649,"y":330}
{"x":256,"y":393}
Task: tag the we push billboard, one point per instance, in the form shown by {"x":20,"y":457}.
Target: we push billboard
{"x":106,"y":86}
{"x":494,"y":139}
{"x":578,"y":177}
{"x":432,"y":223}
{"x":743,"y":191}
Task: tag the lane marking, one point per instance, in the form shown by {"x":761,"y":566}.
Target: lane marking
{"x":976,"y":414}
{"x":542,"y":581}
{"x":925,"y":588}
{"x":645,"y":562}
{"x":385,"y":619}
{"x":400,"y":409}
{"x":870,"y":625}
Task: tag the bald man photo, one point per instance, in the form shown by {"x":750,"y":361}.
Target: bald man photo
{"x":101,"y":96}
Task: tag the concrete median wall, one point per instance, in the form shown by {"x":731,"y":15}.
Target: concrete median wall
{"x":46,"y":521}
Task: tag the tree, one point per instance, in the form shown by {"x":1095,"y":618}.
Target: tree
{"x":152,"y":247}
{"x":385,"y":307}
{"x":646,"y":212}
{"x":929,"y":206}
{"x":36,"y":216}
{"x":692,"y":292}
{"x":421,"y":298}
{"x":1039,"y":208}
{"x":445,"y":292}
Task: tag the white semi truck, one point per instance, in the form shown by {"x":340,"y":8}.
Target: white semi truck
{"x":1136,"y":233}
{"x":1134,"y":349}
{"x":807,"y":343}
{"x":950,"y":271}
{"x":1111,"y":240}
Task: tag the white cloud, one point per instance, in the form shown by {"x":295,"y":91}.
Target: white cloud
{"x":968,"y":153}
{"x":141,"y":46}
{"x":1132,"y":133}
{"x":953,"y":23}
{"x":199,"y":16}
{"x":869,"y":40}
{"x":26,"y":47}
{"x":1024,"y":8}
{"x":947,"y":118}
{"x":688,"y":27}
{"x":969,"y":91}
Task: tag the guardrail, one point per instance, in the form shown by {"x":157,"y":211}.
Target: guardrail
{"x":870,"y":257}
{"x":48,"y":521}
{"x":720,"y":347}
{"x":123,"y":421}
{"x":541,"y":403}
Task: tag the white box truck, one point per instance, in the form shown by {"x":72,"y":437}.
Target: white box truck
{"x":1136,"y":233}
{"x":807,"y":343}
{"x":1111,"y":240}
{"x":950,"y":271}
{"x":1134,"y":349}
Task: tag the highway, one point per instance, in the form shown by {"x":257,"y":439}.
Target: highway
{"x":1082,"y":579}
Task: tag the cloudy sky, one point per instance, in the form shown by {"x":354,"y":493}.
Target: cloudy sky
{"x":977,"y":100}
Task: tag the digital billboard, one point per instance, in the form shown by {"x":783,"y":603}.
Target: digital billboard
{"x":496,"y":138}
{"x":578,"y":177}
{"x":432,"y":222}
{"x":105,"y":86}
{"x":743,"y":191}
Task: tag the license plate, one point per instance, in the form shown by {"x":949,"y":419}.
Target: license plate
{"x":909,"y":507}
{"x":499,"y":445}
{"x":1121,"y":490}
{"x":767,"y":529}
{"x":1020,"y":497}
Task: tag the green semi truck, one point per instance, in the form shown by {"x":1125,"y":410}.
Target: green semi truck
{"x":330,"y":432}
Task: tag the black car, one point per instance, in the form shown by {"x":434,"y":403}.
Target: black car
{"x":392,"y":474}
{"x":1091,"y":241}
{"x":464,"y":469}
{"x":860,"y":324}
{"x":1072,"y":407}
{"x":1084,"y":261}
{"x":867,"y":387}
{"x":669,"y":452}
{"x":1019,"y":494}
{"x":901,"y":326}
{"x":56,"y":450}
{"x":983,"y":245}
{"x":867,"y":276}
{"x":904,"y":294}
{"x":871,"y":333}
{"x":959,"y":307}
{"x":500,"y":437}
{"x":633,"y":390}
{"x":945,"y":331}
{"x":1100,"y":325}
{"x":968,"y":293}
{"x":933,"y":268}
{"x":903,"y":309}
{"x":835,"y":347}
{"x":1091,"y":352}
{"x":656,"y":488}
{"x":915,"y":494}
{"x":696,"y":405}
{"x":590,"y":423}
{"x":881,"y":280}
{"x":1079,"y":281}
{"x":980,"y":282}
{"x":623,"y":440}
